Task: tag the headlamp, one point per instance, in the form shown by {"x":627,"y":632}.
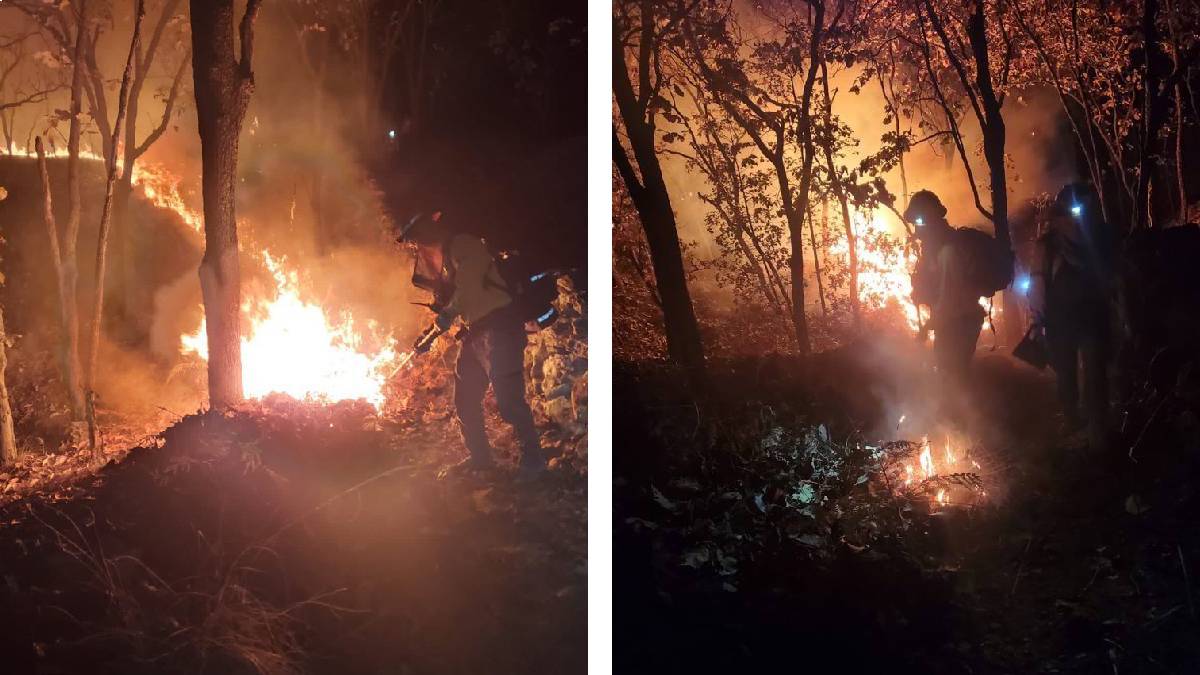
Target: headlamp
{"x":919,"y":221}
{"x":1076,"y":210}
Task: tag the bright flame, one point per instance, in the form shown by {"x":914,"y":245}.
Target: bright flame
{"x":926,"y":460}
{"x":293,"y":348}
{"x":883,"y":277}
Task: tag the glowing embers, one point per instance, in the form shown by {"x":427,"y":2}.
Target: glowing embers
{"x":293,"y":347}
{"x":943,"y":475}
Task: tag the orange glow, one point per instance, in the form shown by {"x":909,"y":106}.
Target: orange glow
{"x":294,"y":348}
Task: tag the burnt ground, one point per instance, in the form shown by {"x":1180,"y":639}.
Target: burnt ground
{"x":1080,"y":562}
{"x":287,"y":537}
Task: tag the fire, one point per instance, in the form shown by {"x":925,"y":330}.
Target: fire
{"x":294,"y":348}
{"x":884,"y":277}
{"x":949,"y":463}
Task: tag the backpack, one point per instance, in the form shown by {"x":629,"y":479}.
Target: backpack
{"x":990,"y":264}
{"x":533,"y":290}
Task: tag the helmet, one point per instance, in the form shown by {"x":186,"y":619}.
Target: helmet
{"x":1076,"y":199}
{"x":923,"y":206}
{"x":405,"y":232}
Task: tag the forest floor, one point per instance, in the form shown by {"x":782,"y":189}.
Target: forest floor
{"x":732,"y":554}
{"x":293,"y":537}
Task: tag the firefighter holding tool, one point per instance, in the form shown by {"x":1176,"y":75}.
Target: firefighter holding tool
{"x":469,"y":288}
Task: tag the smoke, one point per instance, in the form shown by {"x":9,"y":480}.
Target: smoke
{"x":1039,"y":159}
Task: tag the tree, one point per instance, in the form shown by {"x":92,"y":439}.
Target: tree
{"x":967,"y":53}
{"x":64,"y":258}
{"x":742,"y":217}
{"x":223,"y":85}
{"x":19,"y":84}
{"x":1115,"y":68}
{"x":637,"y":28}
{"x":759,"y":93}
{"x":132,"y":150}
{"x":106,"y":222}
{"x":8,"y":440}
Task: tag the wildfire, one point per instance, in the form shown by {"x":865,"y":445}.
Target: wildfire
{"x":961,"y":485}
{"x":884,"y":276}
{"x":294,"y":348}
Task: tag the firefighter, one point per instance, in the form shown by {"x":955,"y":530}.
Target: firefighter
{"x":466,"y":284}
{"x":1073,"y":283}
{"x":942,"y":280}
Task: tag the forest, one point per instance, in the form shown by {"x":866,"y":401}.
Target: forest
{"x":805,"y":473}
{"x":228,"y":428}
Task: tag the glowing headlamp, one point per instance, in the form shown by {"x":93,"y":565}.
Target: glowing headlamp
{"x":919,"y":221}
{"x":1023,"y":284}
{"x":1076,"y":210}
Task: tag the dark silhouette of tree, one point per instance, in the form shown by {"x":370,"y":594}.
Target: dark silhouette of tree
{"x":640,"y":27}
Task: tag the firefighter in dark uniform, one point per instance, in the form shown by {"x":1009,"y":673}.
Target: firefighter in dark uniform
{"x":1073,"y":281}
{"x":466,"y":283}
{"x":942,"y":281}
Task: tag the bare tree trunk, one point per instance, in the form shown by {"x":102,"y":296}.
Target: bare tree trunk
{"x":223,"y":85}
{"x":1179,"y":183}
{"x":993,"y":124}
{"x":106,"y":212}
{"x":812,"y":236}
{"x":835,"y":181}
{"x":653,"y":204}
{"x":8,"y":440}
{"x":1154,"y":115}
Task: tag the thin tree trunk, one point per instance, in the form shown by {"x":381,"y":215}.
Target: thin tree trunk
{"x":8,"y":440}
{"x":1154,"y":115}
{"x":835,"y":181}
{"x":1179,"y":183}
{"x":812,"y":236}
{"x":106,"y":212}
{"x":223,"y":85}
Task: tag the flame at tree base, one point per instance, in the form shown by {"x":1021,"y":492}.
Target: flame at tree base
{"x":294,"y":348}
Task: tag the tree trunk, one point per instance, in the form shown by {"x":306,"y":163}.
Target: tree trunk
{"x":8,"y":440}
{"x":992,"y":123}
{"x":812,"y":235}
{"x":222,"y":85}
{"x":1179,"y":183}
{"x":1155,"y":112}
{"x":835,"y":181}
{"x":106,"y":211}
{"x":653,"y":204}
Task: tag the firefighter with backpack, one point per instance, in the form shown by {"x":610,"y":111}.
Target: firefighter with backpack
{"x":469,"y":286}
{"x":956,"y":268}
{"x":1073,"y":283}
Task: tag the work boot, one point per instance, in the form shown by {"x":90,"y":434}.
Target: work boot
{"x":531,"y":466}
{"x":473,"y":465}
